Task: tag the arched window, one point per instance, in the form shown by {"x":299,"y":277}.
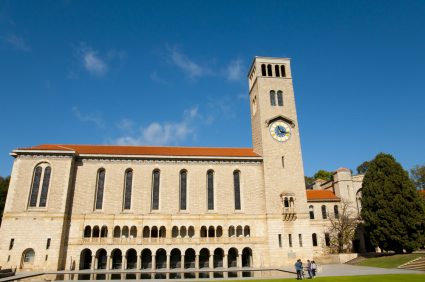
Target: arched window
{"x":45,"y":187}
{"x":117,"y":232}
{"x":104,"y":231}
{"x":35,"y":187}
{"x":263,"y":70}
{"x":279,"y":98}
{"x":232,"y":231}
{"x":239,"y":231}
{"x":269,"y":70}
{"x":327,"y":240}
{"x":155,"y":189}
{"x":237,"y":189}
{"x":87,"y":231}
{"x":146,"y":232}
{"x":100,"y":188}
{"x":162,"y":232}
{"x":311,"y":211}
{"x":324,"y":212}
{"x":133,"y":232}
{"x":125,"y":232}
{"x":28,"y":256}
{"x":183,"y":231}
{"x":246,"y":231}
{"x":203,"y":231}
{"x":183,"y":189}
{"x":211,"y":231}
{"x":128,"y":182}
{"x":191,"y":231}
{"x":272,"y":98}
{"x":314,"y":239}
{"x":210,"y":189}
{"x":286,"y":202}
{"x":174,"y":232}
{"x":96,"y":231}
{"x":282,"y":71}
{"x":336,"y":211}
{"x":276,"y":70}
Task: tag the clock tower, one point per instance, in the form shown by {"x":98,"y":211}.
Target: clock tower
{"x":276,"y":137}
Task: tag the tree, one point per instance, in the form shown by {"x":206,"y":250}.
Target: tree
{"x":342,"y":228}
{"x":392,"y":210}
{"x":323,"y":174}
{"x":4,"y":186}
{"x":417,"y":175}
{"x":308,"y":181}
{"x":361,"y":169}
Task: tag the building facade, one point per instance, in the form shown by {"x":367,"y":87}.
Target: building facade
{"x":130,"y":207}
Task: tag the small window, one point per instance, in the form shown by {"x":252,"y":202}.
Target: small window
{"x":48,"y":243}
{"x":100,"y":187}
{"x":314,"y":239}
{"x":327,"y":240}
{"x":276,"y":70}
{"x":45,"y":187}
{"x":290,"y":240}
{"x":263,"y":70}
{"x":12,"y":242}
{"x":237,"y":189}
{"x":279,"y":239}
{"x":210,"y":189}
{"x":279,"y":98}
{"x":128,"y":179}
{"x":336,"y":211}
{"x":282,"y":71}
{"x":155,"y":189}
{"x":300,"y":239}
{"x":35,"y":186}
{"x":269,"y":70}
{"x":46,"y":257}
{"x":272,"y":98}
{"x":183,"y":189}
{"x":324,"y":212}
{"x":286,"y":202}
{"x":29,"y":256}
{"x":311,"y":211}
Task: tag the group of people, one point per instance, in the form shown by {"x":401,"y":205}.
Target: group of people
{"x":311,"y":269}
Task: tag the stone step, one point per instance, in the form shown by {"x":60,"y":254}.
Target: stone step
{"x":416,"y":264}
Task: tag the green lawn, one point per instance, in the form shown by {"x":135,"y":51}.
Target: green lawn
{"x":365,"y":278}
{"x":392,"y":261}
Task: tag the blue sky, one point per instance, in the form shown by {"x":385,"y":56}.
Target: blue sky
{"x":174,"y":73}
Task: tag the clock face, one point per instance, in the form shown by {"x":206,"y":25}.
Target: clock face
{"x":280,"y":131}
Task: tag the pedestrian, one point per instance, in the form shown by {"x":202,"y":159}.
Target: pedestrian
{"x":299,"y":269}
{"x":313,"y":268}
{"x":309,"y":269}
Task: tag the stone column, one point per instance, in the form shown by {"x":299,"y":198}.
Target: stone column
{"x":153,"y":262}
{"x":124,"y":262}
{"x":196,"y":261}
{"x":93,"y":262}
{"x":109,"y":262}
{"x":211,"y":261}
{"x":167,"y":266}
{"x":239,"y":261}
{"x":225,"y":261}
{"x":182,"y":262}
{"x":139,"y":262}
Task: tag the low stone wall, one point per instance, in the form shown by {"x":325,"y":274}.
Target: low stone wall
{"x":335,"y":258}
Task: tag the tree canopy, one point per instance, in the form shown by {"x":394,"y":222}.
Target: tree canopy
{"x":361,"y":169}
{"x":392,"y":210}
{"x":4,"y":185}
{"x":323,"y":174}
{"x":418,"y":176}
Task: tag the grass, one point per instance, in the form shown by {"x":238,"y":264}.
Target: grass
{"x":391,"y":261}
{"x":363,"y":278}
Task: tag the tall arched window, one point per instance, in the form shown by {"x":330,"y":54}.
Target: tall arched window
{"x":336,"y":211}
{"x":237,"y":189}
{"x":272,"y":98}
{"x":155,"y":189}
{"x":324,"y":212}
{"x":311,"y":211}
{"x":263,"y":70}
{"x":314,"y":239}
{"x":210,"y":189}
{"x":282,"y":71}
{"x":269,"y":70}
{"x":279,"y":98}
{"x":276,"y":70}
{"x":35,"y":187}
{"x":127,"y":188}
{"x":100,"y":188}
{"x":183,"y":189}
{"x":286,"y":202}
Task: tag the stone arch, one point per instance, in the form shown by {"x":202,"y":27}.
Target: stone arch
{"x":85,"y":259}
{"x":116,"y":257}
{"x":131,"y":256}
{"x":133,"y":232}
{"x":174,"y":232}
{"x":154,"y":232}
{"x":102,"y":259}
{"x":232,"y":231}
{"x":183,"y":231}
{"x":162,"y":232}
{"x":87,"y":231}
{"x":232,"y":257}
{"x":204,"y":258}
{"x":246,"y":231}
{"x":203,"y":232}
{"x":219,"y":231}
{"x":146,"y":232}
{"x":218,"y":258}
{"x":146,"y":256}
{"x":161,"y":259}
{"x":117,"y":232}
{"x":239,"y":232}
{"x":189,"y":258}
{"x":104,"y":231}
{"x":96,"y":232}
{"x":125,"y":232}
{"x":191,"y":231}
{"x":246,"y":257}
{"x":27,"y":257}
{"x":175,"y":258}
{"x":211,"y":231}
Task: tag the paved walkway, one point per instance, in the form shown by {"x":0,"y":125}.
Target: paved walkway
{"x":351,"y":270}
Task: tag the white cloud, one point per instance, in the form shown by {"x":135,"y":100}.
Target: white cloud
{"x":17,"y":42}
{"x":191,"y":68}
{"x":91,"y":117}
{"x":94,"y":64}
{"x":166,"y":133}
{"x":234,"y":70}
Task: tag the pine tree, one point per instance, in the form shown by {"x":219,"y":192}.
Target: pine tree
{"x":393,"y":213}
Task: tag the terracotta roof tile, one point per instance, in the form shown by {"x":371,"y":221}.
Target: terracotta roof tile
{"x":321,"y":195}
{"x":146,"y":150}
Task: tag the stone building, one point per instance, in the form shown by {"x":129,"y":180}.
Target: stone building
{"x":131,"y":207}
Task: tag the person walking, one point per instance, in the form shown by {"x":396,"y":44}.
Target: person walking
{"x":299,"y":269}
{"x":313,"y":268}
{"x":309,"y":269}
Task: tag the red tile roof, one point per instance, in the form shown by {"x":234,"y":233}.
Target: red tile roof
{"x":321,"y":195}
{"x":146,"y":150}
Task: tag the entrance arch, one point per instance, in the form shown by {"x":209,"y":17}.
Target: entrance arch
{"x":246,"y":257}
{"x":204,"y":258}
{"x":189,"y":258}
{"x":146,"y":259}
{"x":161,"y":259}
{"x":175,"y":258}
{"x":27,"y":259}
{"x":232,"y":258}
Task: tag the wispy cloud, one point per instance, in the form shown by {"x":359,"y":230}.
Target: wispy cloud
{"x":17,"y":42}
{"x":90,"y":117}
{"x":192,"y":69}
{"x":94,"y":64}
{"x":165,"y":133}
{"x":234,"y":70}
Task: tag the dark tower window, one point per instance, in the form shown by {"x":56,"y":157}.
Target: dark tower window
{"x":155,"y":190}
{"x":45,"y":187}
{"x":314,"y":239}
{"x":327,"y":240}
{"x":183,"y":189}
{"x":269,"y":70}
{"x":272,"y":98}
{"x":276,"y":70}
{"x":311,"y":211}
{"x":324,"y":212}
{"x":35,"y":186}
{"x":210,"y":189}
{"x":336,"y":211}
{"x":282,"y":71}
{"x":127,"y":189}
{"x":279,"y":98}
{"x":100,"y":189}
{"x":237,"y":188}
{"x":263,"y":70}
